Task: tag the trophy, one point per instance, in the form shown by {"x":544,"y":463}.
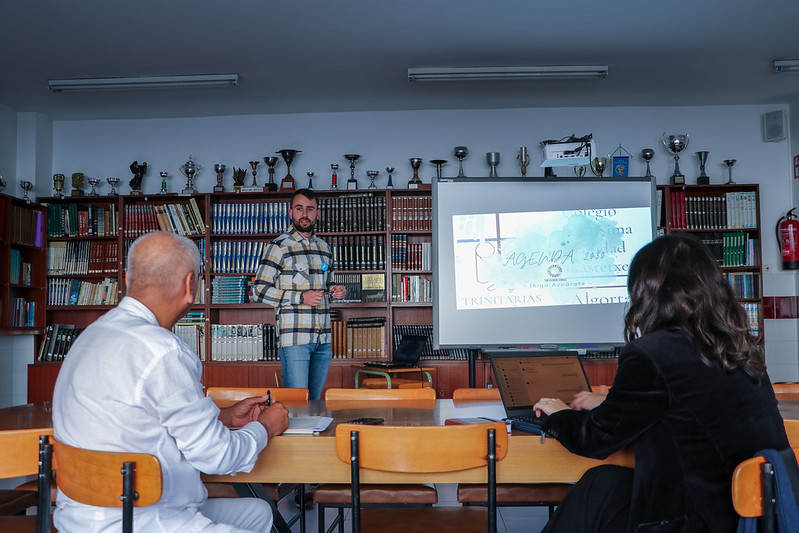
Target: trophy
{"x":113,"y":183}
{"x":254,"y":165}
{"x":77,"y":183}
{"x":26,"y":186}
{"x":390,"y":184}
{"x":492,"y":158}
{"x":138,"y":174}
{"x":460,"y":154}
{"x":271,"y":162}
{"x":58,"y":185}
{"x":94,"y":182}
{"x":190,"y":169}
{"x":238,"y":178}
{"x":579,"y":171}
{"x":352,"y":183}
{"x":288,"y":156}
{"x":598,"y":166}
{"x":334,"y":177}
{"x":676,"y":144}
{"x":372,"y":174}
{"x":310,"y":179}
{"x":703,"y":178}
{"x":524,"y":159}
{"x":414,"y":183}
{"x":219,"y":168}
{"x":164,"y":175}
{"x":647,"y":154}
{"x":729,"y":163}
{"x":438,"y":163}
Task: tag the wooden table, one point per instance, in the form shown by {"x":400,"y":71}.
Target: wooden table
{"x":390,"y":375}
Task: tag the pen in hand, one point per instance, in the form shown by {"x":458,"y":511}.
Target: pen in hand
{"x":268,"y":397}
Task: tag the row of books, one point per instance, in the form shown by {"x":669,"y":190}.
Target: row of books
{"x":410,"y":255}
{"x":358,"y":252}
{"x":732,"y":210}
{"x":359,"y":338}
{"x":230,"y":289}
{"x":26,"y":226}
{"x":236,"y":257}
{"x":73,"y":220}
{"x":23,"y":313}
{"x":19,"y":272}
{"x":243,"y":342}
{"x":732,"y":249}
{"x":362,"y":287}
{"x":250,"y":218}
{"x":70,"y":291}
{"x":58,"y":339}
{"x":744,"y":284}
{"x":191,"y":330}
{"x":73,"y":258}
{"x":753,"y":313}
{"x":429,"y":353}
{"x":411,"y":288}
{"x":181,"y":218}
{"x":412,"y":213}
{"x":354,"y":212}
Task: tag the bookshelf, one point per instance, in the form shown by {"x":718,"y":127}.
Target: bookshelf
{"x":382,"y":243}
{"x":727,"y":219}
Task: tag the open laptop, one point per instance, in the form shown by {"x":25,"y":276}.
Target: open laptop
{"x":524,"y":377}
{"x":406,"y":355}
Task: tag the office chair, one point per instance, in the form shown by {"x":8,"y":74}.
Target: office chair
{"x":338,"y":495}
{"x":407,"y":449}
{"x":754,"y":492}
{"x":271,"y":492}
{"x":508,"y":494}
{"x":94,"y":478}
{"x":20,"y":457}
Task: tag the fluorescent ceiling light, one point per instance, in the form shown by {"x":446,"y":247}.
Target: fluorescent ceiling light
{"x":505,"y":73}
{"x":787,"y":65}
{"x":143,"y":82}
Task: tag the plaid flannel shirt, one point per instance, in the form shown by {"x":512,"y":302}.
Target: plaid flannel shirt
{"x":290,"y":265}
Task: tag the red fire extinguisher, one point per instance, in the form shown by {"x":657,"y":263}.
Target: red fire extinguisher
{"x":788,"y":239}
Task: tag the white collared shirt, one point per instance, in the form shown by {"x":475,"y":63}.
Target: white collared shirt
{"x":130,"y":385}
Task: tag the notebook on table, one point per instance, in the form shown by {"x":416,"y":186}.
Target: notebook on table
{"x":524,"y":377}
{"x":407,"y":354}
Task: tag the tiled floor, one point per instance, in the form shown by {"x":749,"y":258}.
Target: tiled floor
{"x":511,"y":519}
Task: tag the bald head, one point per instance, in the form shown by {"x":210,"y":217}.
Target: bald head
{"x":158,"y":264}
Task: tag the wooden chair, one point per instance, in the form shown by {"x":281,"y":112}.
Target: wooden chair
{"x":476,"y":395}
{"x":792,"y":430}
{"x":753,"y":492}
{"x":338,"y":495}
{"x":94,"y":478}
{"x":20,"y":457}
{"x":408,"y":449}
{"x":271,"y":492}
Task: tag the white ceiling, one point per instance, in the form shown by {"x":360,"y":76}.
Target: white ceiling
{"x":298,"y":56}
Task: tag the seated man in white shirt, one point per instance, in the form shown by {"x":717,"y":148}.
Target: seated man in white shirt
{"x":130,"y":385}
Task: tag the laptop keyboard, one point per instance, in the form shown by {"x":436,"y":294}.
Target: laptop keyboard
{"x":530,"y":424}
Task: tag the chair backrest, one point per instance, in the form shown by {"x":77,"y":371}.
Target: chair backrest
{"x":786,"y":388}
{"x":476,"y":395}
{"x":380,"y":394}
{"x":792,"y":430}
{"x":93,"y":477}
{"x":20,"y":451}
{"x":226,"y":396}
{"x":747,"y":487}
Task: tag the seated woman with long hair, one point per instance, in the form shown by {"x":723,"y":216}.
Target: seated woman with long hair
{"x":691,"y":396}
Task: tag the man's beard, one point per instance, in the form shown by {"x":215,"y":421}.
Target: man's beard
{"x":307,"y":228}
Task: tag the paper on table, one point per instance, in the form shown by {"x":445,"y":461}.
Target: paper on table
{"x":307,"y":425}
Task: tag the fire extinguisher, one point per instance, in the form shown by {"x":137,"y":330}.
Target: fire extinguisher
{"x":788,"y":239}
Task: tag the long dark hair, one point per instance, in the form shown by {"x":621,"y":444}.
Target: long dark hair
{"x":675,"y":283}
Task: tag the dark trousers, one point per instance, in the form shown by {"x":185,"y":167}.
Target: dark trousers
{"x":598,"y":503}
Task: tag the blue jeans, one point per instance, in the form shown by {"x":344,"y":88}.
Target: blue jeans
{"x":305,"y":366}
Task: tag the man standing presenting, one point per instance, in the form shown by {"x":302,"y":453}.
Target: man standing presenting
{"x":295,"y":276}
{"x":130,"y":385}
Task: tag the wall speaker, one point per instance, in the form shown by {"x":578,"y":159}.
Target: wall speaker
{"x":774,"y":126}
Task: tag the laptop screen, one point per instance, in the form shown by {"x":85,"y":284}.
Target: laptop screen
{"x":410,"y":349}
{"x":525,"y":377}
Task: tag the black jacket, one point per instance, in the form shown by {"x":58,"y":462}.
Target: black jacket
{"x":690,"y":426}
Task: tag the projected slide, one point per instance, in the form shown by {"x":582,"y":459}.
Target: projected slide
{"x":546,"y":258}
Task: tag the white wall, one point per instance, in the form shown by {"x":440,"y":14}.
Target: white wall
{"x":8,"y":143}
{"x":103,"y":148}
